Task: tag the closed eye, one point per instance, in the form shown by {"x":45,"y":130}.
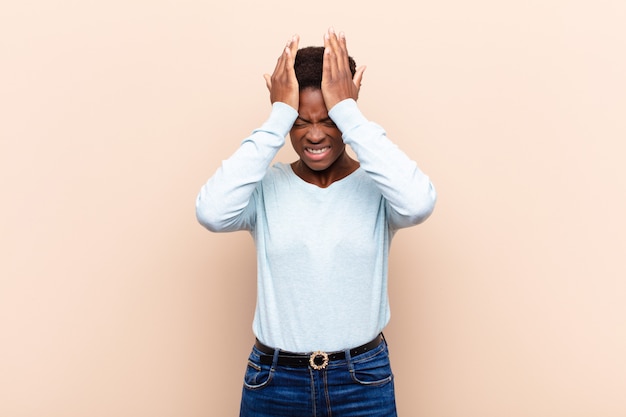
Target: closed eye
{"x":301,"y":122}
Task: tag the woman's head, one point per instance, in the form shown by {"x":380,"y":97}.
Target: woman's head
{"x":308,"y":66}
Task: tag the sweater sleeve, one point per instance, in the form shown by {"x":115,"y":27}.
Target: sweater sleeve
{"x":409,"y":193}
{"x":223,"y":203}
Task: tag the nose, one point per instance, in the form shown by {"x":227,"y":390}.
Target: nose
{"x":315,"y":133}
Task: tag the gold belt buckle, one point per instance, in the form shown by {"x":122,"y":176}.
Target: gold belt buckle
{"x":316,"y":355}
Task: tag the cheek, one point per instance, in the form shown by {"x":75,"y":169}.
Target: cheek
{"x":333,"y":131}
{"x":293,"y":136}
{"x":296,"y":140}
{"x":296,"y":134}
{"x":336,"y":135}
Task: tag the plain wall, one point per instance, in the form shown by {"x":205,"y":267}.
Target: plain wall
{"x":114,"y":301}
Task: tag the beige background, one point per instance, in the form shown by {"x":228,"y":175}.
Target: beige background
{"x":508,"y":301}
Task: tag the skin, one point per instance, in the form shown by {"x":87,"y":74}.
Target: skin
{"x":314,"y":131}
{"x":318,"y":142}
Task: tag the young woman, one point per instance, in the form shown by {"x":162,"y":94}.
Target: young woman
{"x":322,"y":226}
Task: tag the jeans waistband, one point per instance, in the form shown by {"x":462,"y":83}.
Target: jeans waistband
{"x":317,"y":360}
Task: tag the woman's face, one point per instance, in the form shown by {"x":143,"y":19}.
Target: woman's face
{"x":314,"y":136}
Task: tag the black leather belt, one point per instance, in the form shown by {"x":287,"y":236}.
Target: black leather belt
{"x":317,"y":360}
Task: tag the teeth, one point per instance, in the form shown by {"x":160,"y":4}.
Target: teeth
{"x":317,"y":151}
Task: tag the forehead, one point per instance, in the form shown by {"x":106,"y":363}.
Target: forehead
{"x":311,"y":106}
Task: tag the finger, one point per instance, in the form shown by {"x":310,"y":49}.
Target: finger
{"x":281,"y":61}
{"x":326,"y":66}
{"x":339,"y":52}
{"x":342,"y":51}
{"x":290,"y":54}
{"x":293,"y":44}
{"x":285,"y":58}
{"x":330,"y":53}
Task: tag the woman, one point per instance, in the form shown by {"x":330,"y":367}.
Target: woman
{"x":322,"y":227}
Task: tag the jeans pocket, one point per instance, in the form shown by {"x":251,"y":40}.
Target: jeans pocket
{"x":373,"y":371}
{"x":257,"y":375}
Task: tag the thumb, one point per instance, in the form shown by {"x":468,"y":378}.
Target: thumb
{"x":268,"y":81}
{"x":358,"y":77}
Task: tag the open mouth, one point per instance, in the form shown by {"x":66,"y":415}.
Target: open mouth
{"x":317,"y":151}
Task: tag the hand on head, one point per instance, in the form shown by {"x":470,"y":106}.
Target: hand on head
{"x":283,"y":84}
{"x":337,"y":81}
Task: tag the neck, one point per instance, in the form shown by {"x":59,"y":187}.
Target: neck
{"x":340,"y":169}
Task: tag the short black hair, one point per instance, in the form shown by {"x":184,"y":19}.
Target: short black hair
{"x":308,"y":67}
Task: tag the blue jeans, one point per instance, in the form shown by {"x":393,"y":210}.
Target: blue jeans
{"x":360,"y":386}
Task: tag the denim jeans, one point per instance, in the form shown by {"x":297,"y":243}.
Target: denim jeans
{"x":360,"y":386}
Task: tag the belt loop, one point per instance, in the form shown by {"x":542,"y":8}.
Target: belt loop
{"x":385,"y":342}
{"x":349,"y":361}
{"x":275,"y":359}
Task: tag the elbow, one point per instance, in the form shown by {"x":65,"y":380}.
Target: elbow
{"x":206,"y":220}
{"x":207,"y":216}
{"x":215,"y":217}
{"x":423,"y":205}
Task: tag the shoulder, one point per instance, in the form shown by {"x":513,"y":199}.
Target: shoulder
{"x":363,"y":179}
{"x":278,"y":175}
{"x":278,"y":172}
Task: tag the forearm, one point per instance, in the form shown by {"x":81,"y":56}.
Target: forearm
{"x":408,"y":191}
{"x":221,"y":202}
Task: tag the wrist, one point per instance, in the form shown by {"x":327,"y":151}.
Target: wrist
{"x":293,"y":105}
{"x":346,"y":115}
{"x":282,"y":117}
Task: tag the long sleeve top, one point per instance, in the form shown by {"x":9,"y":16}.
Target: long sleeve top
{"x":322,"y":253}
